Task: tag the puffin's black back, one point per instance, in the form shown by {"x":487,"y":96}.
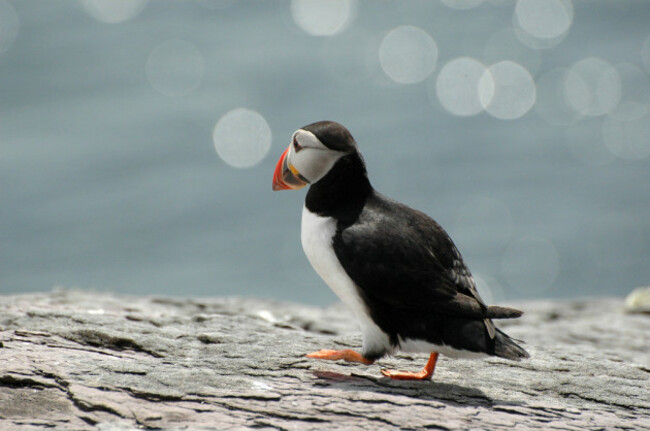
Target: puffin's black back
{"x":414,"y":281}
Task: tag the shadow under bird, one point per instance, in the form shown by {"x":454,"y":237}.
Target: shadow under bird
{"x":393,"y":266}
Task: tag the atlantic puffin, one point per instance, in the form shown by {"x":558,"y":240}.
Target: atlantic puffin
{"x":393,"y":266}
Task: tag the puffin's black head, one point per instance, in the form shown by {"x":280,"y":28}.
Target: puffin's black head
{"x":314,"y":149}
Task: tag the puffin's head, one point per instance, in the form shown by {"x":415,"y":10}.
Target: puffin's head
{"x":314,"y":149}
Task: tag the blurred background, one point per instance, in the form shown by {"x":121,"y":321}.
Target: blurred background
{"x":138,"y":138}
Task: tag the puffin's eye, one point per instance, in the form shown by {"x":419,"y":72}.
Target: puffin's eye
{"x":296,"y":145}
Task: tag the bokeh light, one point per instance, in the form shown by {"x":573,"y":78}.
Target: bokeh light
{"x":408,"y":54}
{"x":242,"y":138}
{"x":593,"y":86}
{"x":505,"y":45}
{"x":461,"y":4}
{"x":175,"y":67}
{"x":323,"y":17}
{"x":530,"y":264}
{"x":457,"y":86}
{"x":507,"y":90}
{"x":542,"y":24}
{"x":628,"y":136}
{"x":114,"y":11}
{"x":9,"y":25}
{"x":552,"y":104}
{"x":544,"y":19}
{"x":535,"y":43}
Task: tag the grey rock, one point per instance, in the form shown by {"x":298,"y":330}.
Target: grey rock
{"x":79,"y":360}
{"x":638,"y":301}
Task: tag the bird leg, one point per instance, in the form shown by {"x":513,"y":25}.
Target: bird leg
{"x":425,"y":374}
{"x":335,"y":355}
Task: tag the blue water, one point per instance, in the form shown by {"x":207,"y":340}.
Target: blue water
{"x":107,"y":184}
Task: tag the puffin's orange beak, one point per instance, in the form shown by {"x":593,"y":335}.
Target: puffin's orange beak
{"x":286,"y":176}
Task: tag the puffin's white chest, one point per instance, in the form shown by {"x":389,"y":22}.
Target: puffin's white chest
{"x":317,"y":235}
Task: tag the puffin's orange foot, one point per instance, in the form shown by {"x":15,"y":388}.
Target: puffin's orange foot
{"x":425,"y":374}
{"x":335,"y":355}
{"x":406,"y":375}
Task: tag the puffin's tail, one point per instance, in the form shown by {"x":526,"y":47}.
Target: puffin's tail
{"x":497,"y":312}
{"x":505,"y":347}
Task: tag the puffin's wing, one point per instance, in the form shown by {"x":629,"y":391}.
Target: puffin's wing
{"x":402,"y":258}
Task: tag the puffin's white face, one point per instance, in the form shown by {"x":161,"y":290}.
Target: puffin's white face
{"x":306,"y":161}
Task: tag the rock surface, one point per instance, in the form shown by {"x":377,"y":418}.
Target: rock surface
{"x":80,"y":360}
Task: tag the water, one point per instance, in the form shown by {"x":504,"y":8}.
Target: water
{"x":109,"y":177}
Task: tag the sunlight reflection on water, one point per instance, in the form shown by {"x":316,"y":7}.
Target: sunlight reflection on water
{"x":408,"y":54}
{"x":507,"y":90}
{"x":113,"y":11}
{"x":323,"y":17}
{"x":242,"y":138}
{"x":457,"y":86}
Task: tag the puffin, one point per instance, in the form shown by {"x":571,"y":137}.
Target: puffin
{"x":394,"y":267}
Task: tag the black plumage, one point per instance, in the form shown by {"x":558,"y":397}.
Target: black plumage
{"x":407,"y":269}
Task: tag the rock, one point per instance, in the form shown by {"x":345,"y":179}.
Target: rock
{"x":638,"y":301}
{"x":79,"y":360}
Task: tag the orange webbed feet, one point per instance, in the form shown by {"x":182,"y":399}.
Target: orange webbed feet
{"x":335,"y":355}
{"x":425,"y":374}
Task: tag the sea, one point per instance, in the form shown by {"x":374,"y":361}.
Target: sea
{"x":138,"y":139}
